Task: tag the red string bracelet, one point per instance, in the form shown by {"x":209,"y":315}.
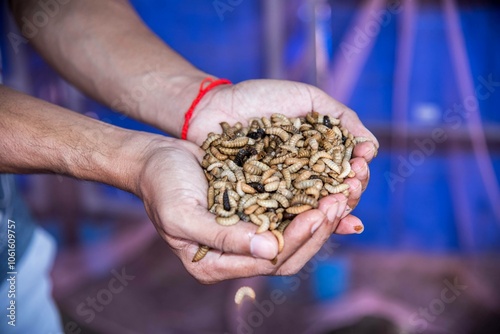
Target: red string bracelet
{"x":203,"y":90}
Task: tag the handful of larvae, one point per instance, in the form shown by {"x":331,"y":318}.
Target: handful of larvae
{"x":274,"y":169}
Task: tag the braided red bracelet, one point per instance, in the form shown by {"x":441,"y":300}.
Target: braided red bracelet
{"x":203,"y":90}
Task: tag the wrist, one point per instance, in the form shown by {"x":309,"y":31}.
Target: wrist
{"x":168,"y":98}
{"x":116,"y":158}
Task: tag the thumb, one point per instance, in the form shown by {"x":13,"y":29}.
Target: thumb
{"x":240,"y":238}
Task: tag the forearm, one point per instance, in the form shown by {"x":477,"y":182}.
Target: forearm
{"x":105,"y":49}
{"x":38,"y":137}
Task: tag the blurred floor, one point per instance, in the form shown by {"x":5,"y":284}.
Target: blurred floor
{"x":162,"y":298}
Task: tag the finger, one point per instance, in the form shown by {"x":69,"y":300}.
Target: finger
{"x":328,"y":205}
{"x":298,"y":233}
{"x":302,"y":255}
{"x":350,"y":225}
{"x":360,"y":167}
{"x":238,"y":239}
{"x":355,"y":190}
{"x":300,"y":230}
{"x":192,"y":148}
{"x":217,"y":266}
{"x":367,"y":150}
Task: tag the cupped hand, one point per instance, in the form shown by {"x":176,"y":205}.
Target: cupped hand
{"x":174,"y":191}
{"x":258,"y":98}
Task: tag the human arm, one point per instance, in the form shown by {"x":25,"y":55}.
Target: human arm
{"x":104,"y":48}
{"x":38,"y":137}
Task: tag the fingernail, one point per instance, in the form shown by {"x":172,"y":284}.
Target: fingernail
{"x":359,"y":229}
{"x":332,"y":211}
{"x":262,"y":247}
{"x":315,"y":227}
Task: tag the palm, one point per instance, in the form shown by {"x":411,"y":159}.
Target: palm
{"x":258,"y":98}
{"x":174,"y":188}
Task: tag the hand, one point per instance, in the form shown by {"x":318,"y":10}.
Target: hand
{"x":257,"y":98}
{"x":174,"y":191}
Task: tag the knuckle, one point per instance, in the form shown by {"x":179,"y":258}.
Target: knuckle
{"x":290,"y":270}
{"x":222,"y":241}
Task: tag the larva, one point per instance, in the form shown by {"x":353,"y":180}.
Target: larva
{"x":316,"y":156}
{"x":297,"y":123}
{"x":304,"y":199}
{"x":215,"y":165}
{"x":346,"y":169}
{"x":304,"y":128}
{"x":303,"y":153}
{"x":260,"y":210}
{"x":251,"y":209}
{"x":211,"y":196}
{"x":266,"y":123}
{"x":280,"y":117}
{"x":229,"y":174}
{"x":288,"y":177}
{"x":281,"y":199}
{"x":242,"y":293}
{"x":243,"y":201}
{"x":273,"y":186}
{"x":267,"y":174}
{"x":313,"y":144}
{"x":314,"y":191}
{"x":282,"y":158}
{"x":265,"y":224}
{"x":305,"y":184}
{"x":359,"y":140}
{"x":200,"y":254}
{"x":312,"y":118}
{"x":221,"y":212}
{"x":268,"y":203}
{"x":285,"y":192}
{"x":281,"y":240}
{"x":295,"y":138}
{"x":319,"y":167}
{"x":295,"y":167}
{"x":252,"y":169}
{"x":260,"y":165}
{"x":250,"y":201}
{"x":228,"y":151}
{"x":298,"y":209}
{"x":272,"y":179}
{"x":332,"y":165}
{"x":251,"y":178}
{"x":236,"y":143}
{"x":283,"y":225}
{"x":225,"y":201}
{"x":278,"y":132}
{"x":228,"y":221}
{"x":336,"y":189}
{"x":216,"y":153}
{"x":255,"y":219}
{"x":210,"y":139}
{"x":303,"y":176}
